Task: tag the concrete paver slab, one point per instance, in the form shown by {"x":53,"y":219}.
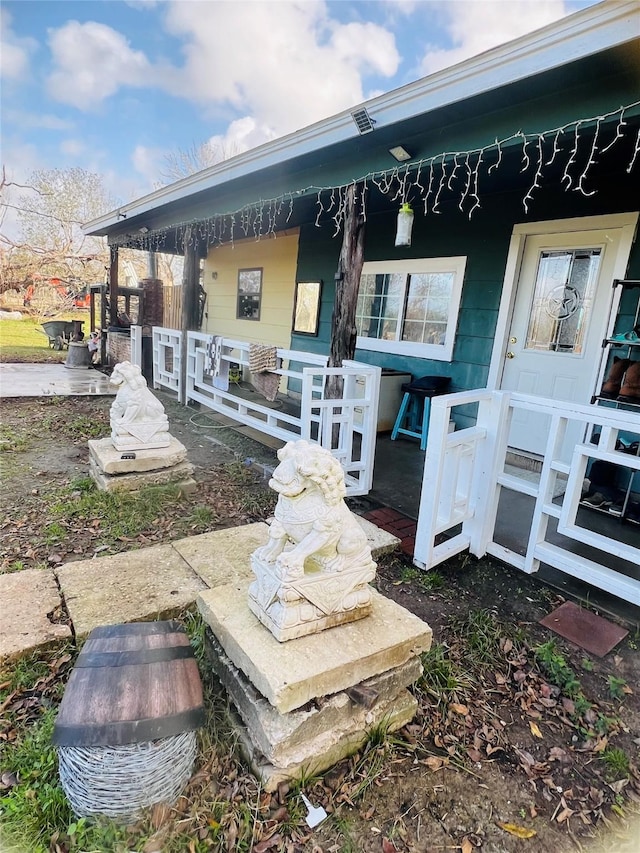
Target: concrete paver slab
{"x":47,"y":380}
{"x":223,"y":556}
{"x":151,"y":583}
{"x":380,"y":541}
{"x":27,"y":597}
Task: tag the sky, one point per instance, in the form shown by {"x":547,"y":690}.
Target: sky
{"x":116,"y":87}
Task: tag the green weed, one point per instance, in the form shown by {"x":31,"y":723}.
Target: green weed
{"x":556,"y":668}
{"x":616,"y":687}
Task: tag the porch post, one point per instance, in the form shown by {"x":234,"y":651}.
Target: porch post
{"x":343,"y":322}
{"x":190,"y":279}
{"x":113,"y":286}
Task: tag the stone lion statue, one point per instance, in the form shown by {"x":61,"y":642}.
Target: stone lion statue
{"x":312,"y":516}
{"x":137,"y":418}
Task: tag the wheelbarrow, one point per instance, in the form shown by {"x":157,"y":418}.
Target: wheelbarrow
{"x":62,"y":332}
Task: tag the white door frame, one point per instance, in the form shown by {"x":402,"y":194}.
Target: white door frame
{"x":627,"y":222}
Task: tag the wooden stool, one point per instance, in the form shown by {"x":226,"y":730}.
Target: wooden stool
{"x":413,"y":415}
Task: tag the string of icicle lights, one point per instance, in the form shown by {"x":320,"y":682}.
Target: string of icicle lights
{"x":421,"y":182}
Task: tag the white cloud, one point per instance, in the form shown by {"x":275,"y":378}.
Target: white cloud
{"x":478,"y":25}
{"x":91,"y":61}
{"x":148,"y":163}
{"x":14,"y":51}
{"x":73,"y":147}
{"x":241,"y":135}
{"x":287,"y":64}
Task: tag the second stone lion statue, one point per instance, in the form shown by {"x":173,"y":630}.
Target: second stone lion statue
{"x":311,"y":515}
{"x":137,"y":418}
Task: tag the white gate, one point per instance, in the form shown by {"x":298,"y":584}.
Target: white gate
{"x":466,"y":478}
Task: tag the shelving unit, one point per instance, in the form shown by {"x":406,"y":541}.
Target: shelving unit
{"x":631,"y":348}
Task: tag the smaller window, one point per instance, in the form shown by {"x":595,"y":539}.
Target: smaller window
{"x":249,"y":294}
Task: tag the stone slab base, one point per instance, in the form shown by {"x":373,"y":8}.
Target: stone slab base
{"x":298,"y":737}
{"x":178,"y":475}
{"x":291,"y":674}
{"x":109,"y":461}
{"x":401,"y":713}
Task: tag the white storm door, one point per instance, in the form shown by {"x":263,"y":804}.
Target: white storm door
{"x":560,"y":317}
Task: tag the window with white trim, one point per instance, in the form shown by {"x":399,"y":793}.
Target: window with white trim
{"x":410,"y":307}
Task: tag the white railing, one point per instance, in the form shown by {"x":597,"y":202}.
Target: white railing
{"x":346,"y":425}
{"x":465,"y":477}
{"x":136,"y":345}
{"x":166,"y":360}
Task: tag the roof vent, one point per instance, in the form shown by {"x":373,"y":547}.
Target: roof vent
{"x":363,"y":121}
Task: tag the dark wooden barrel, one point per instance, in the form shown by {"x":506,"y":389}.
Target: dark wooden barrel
{"x":131,"y":683}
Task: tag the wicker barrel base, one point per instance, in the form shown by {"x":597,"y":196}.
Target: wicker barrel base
{"x":120,"y":781}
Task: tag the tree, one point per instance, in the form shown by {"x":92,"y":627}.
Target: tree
{"x":50,"y":212}
{"x":181,"y":164}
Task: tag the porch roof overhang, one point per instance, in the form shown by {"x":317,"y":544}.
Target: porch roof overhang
{"x":469,"y":103}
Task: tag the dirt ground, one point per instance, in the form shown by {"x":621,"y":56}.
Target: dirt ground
{"x":504,"y":754}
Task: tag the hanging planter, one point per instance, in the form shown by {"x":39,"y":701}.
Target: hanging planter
{"x":405,"y":225}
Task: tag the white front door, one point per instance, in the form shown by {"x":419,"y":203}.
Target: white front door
{"x":560,"y":318}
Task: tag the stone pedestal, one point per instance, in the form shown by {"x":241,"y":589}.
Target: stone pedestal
{"x":116,"y":470}
{"x":307,"y":703}
{"x":294,"y":607}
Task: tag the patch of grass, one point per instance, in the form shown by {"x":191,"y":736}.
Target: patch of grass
{"x":201,"y":518}
{"x":616,"y":762}
{"x":25,"y":340}
{"x":442,"y":674}
{"x":426,"y":581}
{"x":113,"y":515}
{"x":481,"y":633}
{"x":12,"y":440}
{"x":36,"y":806}
{"x":341,"y":824}
{"x":78,"y":427}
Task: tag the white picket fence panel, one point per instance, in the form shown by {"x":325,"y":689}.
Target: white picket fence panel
{"x":346,"y":425}
{"x":464,"y":475}
{"x":167,"y":360}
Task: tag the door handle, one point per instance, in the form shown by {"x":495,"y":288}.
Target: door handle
{"x":511,"y":354}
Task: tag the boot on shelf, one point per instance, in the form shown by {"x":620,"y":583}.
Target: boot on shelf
{"x":630,"y":390}
{"x":612,"y":384}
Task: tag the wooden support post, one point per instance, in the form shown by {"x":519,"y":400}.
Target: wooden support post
{"x":190,"y":281}
{"x":343,"y":323}
{"x":113,"y":285}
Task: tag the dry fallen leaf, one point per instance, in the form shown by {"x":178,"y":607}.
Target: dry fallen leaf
{"x":564,"y":815}
{"x":466,"y":846}
{"x":601,"y":745}
{"x":459,"y":709}
{"x":518,"y":831}
{"x":535,"y":731}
